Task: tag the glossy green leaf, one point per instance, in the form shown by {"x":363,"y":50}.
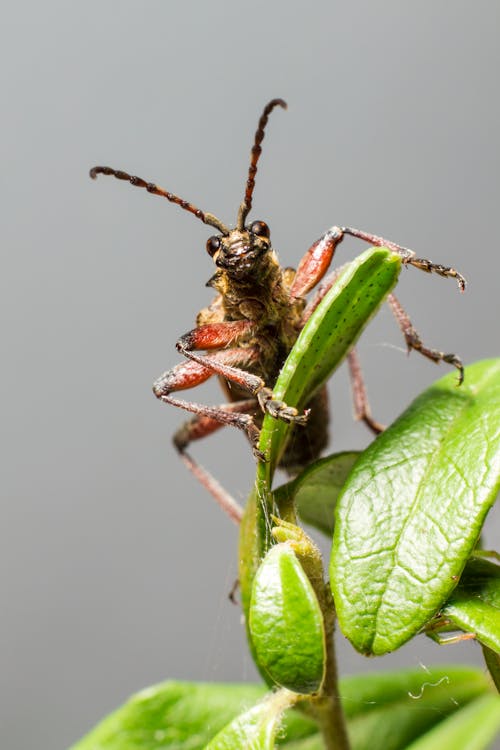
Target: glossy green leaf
{"x":412,"y":510}
{"x":474,"y":606}
{"x":286,"y":624}
{"x":330,"y":333}
{"x":472,"y":728}
{"x":255,"y":729}
{"x":316,"y":489}
{"x":186,"y":716}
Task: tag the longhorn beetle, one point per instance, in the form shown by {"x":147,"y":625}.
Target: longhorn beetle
{"x":252,"y":324}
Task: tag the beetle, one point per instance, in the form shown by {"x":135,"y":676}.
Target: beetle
{"x":253,"y":322}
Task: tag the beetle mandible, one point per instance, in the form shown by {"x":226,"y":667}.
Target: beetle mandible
{"x":252,"y":324}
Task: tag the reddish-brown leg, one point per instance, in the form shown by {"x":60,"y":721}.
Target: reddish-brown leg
{"x":314,"y":264}
{"x":190,"y":374}
{"x":204,"y":337}
{"x":360,"y":399}
{"x":202,"y":426}
{"x":316,"y":261}
{"x":223,"y":499}
{"x":413,"y":340}
{"x":407,"y":255}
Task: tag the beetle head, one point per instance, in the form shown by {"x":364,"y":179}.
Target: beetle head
{"x":240,"y":251}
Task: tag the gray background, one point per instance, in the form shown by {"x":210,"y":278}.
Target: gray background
{"x":115,"y":565}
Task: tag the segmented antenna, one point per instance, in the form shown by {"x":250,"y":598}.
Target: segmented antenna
{"x":206,"y":218}
{"x":246,"y":205}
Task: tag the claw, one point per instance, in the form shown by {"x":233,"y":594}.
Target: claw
{"x":452,"y":359}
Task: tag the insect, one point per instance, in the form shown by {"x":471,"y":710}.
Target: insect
{"x":253,"y":322}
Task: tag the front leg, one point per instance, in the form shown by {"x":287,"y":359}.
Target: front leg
{"x":190,"y":374}
{"x":204,"y":337}
{"x":316,"y":261}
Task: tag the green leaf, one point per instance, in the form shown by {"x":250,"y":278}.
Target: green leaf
{"x":492,"y":661}
{"x":412,"y":510}
{"x":177,"y":715}
{"x":402,"y":707}
{"x":256,"y":728}
{"x":286,"y":624}
{"x":474,"y":606}
{"x":441,"y":685}
{"x":186,"y":716}
{"x":394,"y":726}
{"x":472,"y":728}
{"x":316,"y":489}
{"x":329,"y":334}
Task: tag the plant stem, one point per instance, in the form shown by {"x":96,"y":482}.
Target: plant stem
{"x":327,"y":708}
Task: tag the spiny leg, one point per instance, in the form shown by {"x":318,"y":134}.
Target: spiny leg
{"x":413,"y":340}
{"x":200,"y":427}
{"x":360,"y":399}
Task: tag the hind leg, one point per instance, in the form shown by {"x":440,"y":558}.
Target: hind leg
{"x":197,"y":428}
{"x":362,"y":409}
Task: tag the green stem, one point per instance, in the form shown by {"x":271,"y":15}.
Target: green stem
{"x":327,"y":708}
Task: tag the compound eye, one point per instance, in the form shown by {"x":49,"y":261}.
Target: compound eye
{"x":213,"y":244}
{"x":260,"y":228}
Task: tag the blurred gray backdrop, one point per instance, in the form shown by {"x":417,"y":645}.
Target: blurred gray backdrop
{"x":115,"y":565}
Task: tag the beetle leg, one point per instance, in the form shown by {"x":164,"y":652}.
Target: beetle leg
{"x":189,"y":374}
{"x":280,"y":410}
{"x":316,"y":261}
{"x":198,"y":338}
{"x":314,"y":264}
{"x":201,"y":426}
{"x":413,"y":340}
{"x":407,"y":255}
{"x":216,"y":335}
{"x":221,"y":496}
{"x":362,"y":409}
